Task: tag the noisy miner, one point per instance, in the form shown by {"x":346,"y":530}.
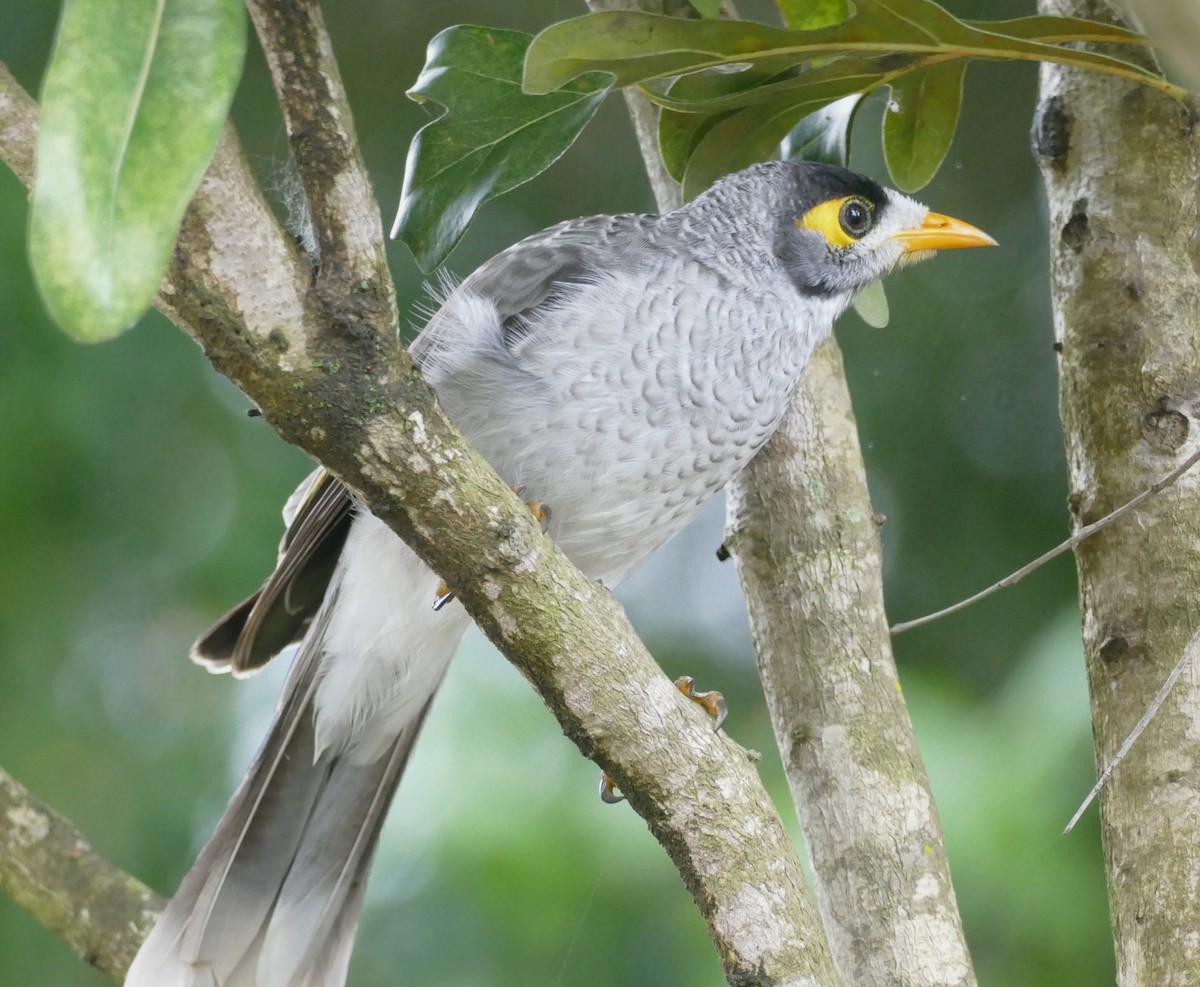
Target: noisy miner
{"x":619,"y":370}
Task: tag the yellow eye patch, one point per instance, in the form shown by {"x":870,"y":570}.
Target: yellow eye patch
{"x":841,"y":221}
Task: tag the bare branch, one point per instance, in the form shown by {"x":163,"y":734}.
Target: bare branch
{"x":840,"y":721}
{"x":1121,"y":169}
{"x":50,"y":870}
{"x":801,"y":530}
{"x":1069,"y":545}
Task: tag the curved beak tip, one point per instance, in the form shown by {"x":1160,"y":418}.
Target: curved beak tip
{"x":939,"y":232}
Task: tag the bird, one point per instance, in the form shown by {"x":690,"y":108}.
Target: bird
{"x":619,"y":370}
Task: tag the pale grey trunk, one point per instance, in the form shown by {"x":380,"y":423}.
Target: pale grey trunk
{"x":869,"y":820}
{"x":1120,"y":165}
{"x":807,"y":545}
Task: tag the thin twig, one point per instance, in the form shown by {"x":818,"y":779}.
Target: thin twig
{"x":1071,"y":543}
{"x":1136,"y":732}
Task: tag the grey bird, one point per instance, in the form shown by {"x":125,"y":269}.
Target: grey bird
{"x":619,"y":369}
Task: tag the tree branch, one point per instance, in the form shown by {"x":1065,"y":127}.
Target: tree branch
{"x":1121,"y":167}
{"x":802,"y":532}
{"x":50,"y":870}
{"x":868,"y":815}
{"x":856,"y":776}
{"x":331,"y":377}
{"x":1077,"y":538}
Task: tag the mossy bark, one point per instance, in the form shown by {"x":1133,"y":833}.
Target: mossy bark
{"x":1121,"y":166}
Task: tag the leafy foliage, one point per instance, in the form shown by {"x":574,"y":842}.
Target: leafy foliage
{"x":490,"y":138}
{"x":746,"y":85}
{"x":133,"y":103}
{"x":730,"y":92}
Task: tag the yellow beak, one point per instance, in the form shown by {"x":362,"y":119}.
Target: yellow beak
{"x":940,"y":232}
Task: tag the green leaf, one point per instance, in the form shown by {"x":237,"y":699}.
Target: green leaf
{"x":740,"y":139}
{"x":679,"y":132}
{"x":871,"y":304}
{"x":132,"y":106}
{"x":700,"y":148}
{"x":636,"y":47}
{"x":804,"y":15}
{"x":489,"y":138}
{"x":1060,"y":30}
{"x":706,"y":8}
{"x":919,"y":122}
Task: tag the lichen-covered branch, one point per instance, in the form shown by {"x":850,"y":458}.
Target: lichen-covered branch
{"x":1121,"y":166}
{"x":48,"y":868}
{"x":341,"y":388}
{"x":807,"y":546}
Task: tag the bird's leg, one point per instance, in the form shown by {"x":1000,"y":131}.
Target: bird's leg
{"x":541,"y":513}
{"x":712,"y":702}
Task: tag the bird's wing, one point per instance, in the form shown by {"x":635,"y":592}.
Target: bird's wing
{"x":541,"y":272}
{"x":318,"y":516}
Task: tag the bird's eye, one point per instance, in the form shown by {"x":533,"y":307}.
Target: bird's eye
{"x":842,"y":221}
{"x":855,"y":217}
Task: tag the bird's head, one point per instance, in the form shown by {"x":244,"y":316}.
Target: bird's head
{"x":836,"y":231}
{"x":848,"y":231}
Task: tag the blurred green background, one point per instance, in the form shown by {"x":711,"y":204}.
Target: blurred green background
{"x":138,"y":501}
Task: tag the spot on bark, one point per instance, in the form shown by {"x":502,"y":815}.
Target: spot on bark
{"x":1164,"y":428}
{"x":1114,"y":649}
{"x":1075,"y":230}
{"x":1121,"y":644}
{"x":1052,"y":132}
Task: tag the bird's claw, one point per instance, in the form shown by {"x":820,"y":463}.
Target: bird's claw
{"x":712,"y":702}
{"x":443,"y":595}
{"x":608,"y":790}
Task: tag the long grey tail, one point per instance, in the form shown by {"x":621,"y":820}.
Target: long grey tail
{"x":275,"y":896}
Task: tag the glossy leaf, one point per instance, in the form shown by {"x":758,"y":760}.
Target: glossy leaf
{"x":804,"y":15}
{"x":488,"y":138}
{"x":919,"y":122}
{"x":679,"y":132}
{"x":706,"y":8}
{"x":132,"y":106}
{"x":1060,"y":30}
{"x":739,"y":140}
{"x":636,"y":47}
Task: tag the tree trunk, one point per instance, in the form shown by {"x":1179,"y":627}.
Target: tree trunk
{"x":1120,"y":165}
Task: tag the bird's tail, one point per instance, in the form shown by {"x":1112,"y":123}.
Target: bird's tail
{"x":275,"y":896}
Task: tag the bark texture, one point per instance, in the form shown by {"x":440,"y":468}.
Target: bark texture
{"x":807,"y":546}
{"x":48,"y":868}
{"x":801,"y":530}
{"x":1121,"y":165}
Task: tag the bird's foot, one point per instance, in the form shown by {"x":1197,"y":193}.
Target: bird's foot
{"x":711,"y":702}
{"x":608,"y":790}
{"x":541,"y":513}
